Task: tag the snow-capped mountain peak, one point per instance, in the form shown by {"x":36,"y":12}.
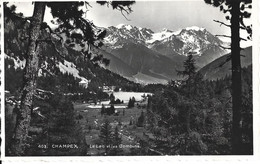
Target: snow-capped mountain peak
{"x":146,"y":36}
{"x":195,"y":28}
{"x":177,"y":32}
{"x":189,"y":39}
{"x":128,"y":27}
{"x":120,"y":26}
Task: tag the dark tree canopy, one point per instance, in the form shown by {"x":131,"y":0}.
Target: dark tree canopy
{"x":122,"y":6}
{"x":189,"y":67}
{"x":106,"y":135}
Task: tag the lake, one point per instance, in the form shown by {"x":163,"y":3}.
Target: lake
{"x":125,"y":96}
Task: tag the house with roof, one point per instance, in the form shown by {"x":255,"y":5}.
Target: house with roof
{"x":84,"y":83}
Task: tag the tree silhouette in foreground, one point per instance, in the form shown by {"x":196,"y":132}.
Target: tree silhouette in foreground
{"x":106,"y":135}
{"x":236,"y":11}
{"x":117,"y":140}
{"x":189,"y":71}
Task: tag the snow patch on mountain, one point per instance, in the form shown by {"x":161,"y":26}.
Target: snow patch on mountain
{"x":195,"y":28}
{"x":128,"y":27}
{"x":177,"y":32}
{"x":120,"y":26}
{"x":70,"y":68}
{"x":187,"y":38}
{"x":160,"y":36}
{"x":65,"y":67}
{"x":110,"y":39}
{"x":166,"y":34}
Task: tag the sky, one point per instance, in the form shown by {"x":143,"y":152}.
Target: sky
{"x":155,"y":15}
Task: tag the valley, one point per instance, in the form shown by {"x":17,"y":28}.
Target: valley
{"x":122,"y":90}
{"x":148,"y":55}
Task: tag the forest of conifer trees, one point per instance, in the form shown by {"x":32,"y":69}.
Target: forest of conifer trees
{"x":48,"y":112}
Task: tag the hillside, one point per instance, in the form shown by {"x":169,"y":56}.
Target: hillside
{"x":217,"y":69}
{"x":65,"y":72}
{"x":143,"y":60}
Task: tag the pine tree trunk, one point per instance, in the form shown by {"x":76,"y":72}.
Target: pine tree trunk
{"x":236,"y":79}
{"x":188,"y":120}
{"x":188,"y":107}
{"x":20,"y":137}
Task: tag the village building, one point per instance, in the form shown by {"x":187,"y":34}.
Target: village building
{"x":84,"y":83}
{"x":108,"y":88}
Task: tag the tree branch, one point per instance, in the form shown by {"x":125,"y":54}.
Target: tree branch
{"x":226,"y":36}
{"x":122,"y":10}
{"x":227,"y":48}
{"x":243,"y":39}
{"x":241,"y":27}
{"x":51,"y":31}
{"x":222,"y":23}
{"x":230,"y":37}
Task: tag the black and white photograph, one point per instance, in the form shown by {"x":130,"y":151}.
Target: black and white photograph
{"x":128,"y":78}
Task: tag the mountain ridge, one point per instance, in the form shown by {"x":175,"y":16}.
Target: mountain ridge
{"x":130,"y":43}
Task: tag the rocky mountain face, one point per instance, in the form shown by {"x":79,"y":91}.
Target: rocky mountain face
{"x":154,"y":57}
